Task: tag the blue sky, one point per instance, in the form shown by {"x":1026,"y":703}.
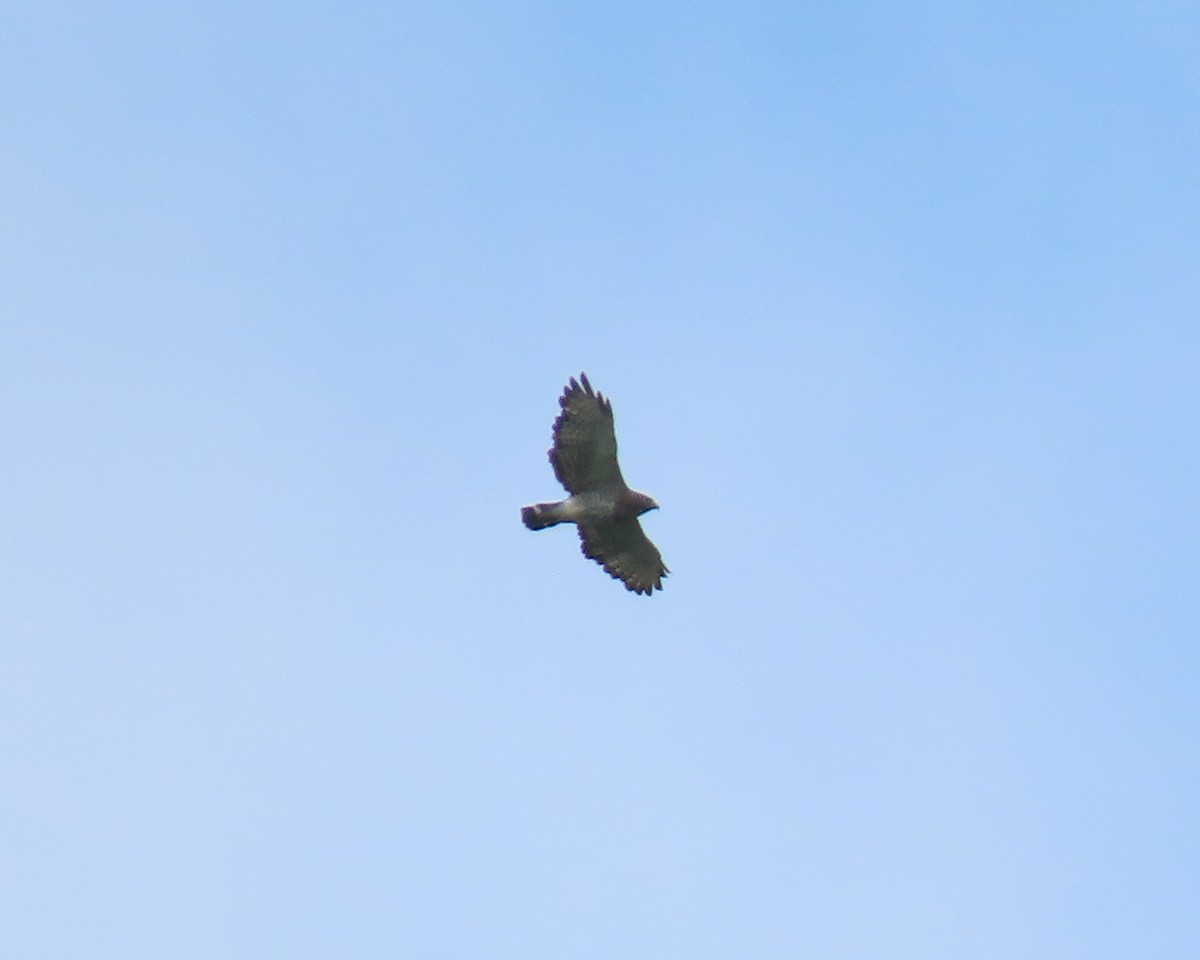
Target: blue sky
{"x":899,"y":309}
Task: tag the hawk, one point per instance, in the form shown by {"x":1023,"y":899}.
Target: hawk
{"x":601,"y":506}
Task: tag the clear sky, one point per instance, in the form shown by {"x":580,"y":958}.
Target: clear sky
{"x":899,"y":308}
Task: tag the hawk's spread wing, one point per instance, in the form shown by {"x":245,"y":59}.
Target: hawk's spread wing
{"x":584,"y":455}
{"x":626,"y":553}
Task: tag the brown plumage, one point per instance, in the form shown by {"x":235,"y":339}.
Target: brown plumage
{"x":604,"y":509}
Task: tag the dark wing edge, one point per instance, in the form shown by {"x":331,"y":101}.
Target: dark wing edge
{"x":574,"y":392}
{"x":625,"y":553}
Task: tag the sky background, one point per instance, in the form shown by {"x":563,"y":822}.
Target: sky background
{"x":899,"y":308}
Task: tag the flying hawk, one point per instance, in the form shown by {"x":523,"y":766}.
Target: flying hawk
{"x":604,"y":509}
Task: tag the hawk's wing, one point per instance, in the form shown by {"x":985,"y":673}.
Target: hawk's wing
{"x":584,"y":455}
{"x":626,"y":553}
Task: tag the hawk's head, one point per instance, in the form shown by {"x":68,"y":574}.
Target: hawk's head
{"x":642,"y":503}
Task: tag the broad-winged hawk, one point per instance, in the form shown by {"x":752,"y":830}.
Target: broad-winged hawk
{"x":604,"y":509}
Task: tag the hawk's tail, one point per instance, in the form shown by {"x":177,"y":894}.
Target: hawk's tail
{"x":538,"y":516}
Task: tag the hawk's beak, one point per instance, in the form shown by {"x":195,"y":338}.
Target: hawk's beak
{"x":653,"y":505}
